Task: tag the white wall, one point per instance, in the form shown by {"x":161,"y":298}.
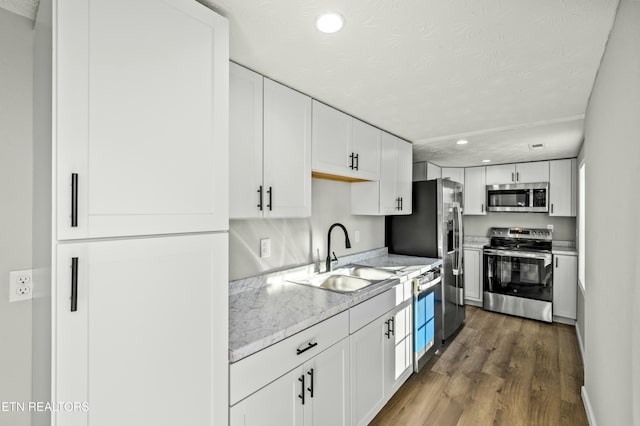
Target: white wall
{"x":296,"y":241}
{"x":16,"y":66}
{"x":612,"y":154}
{"x":564,"y":228}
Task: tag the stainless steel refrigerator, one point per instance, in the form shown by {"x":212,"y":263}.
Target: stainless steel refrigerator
{"x":434,"y":229}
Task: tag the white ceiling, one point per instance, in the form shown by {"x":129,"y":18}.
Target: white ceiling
{"x":500,"y":73}
{"x":430,"y":71}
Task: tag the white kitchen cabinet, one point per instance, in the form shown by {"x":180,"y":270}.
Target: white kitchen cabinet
{"x":316,"y":393}
{"x":270,"y":126}
{"x":475,"y":191}
{"x":365,"y":143}
{"x":455,"y":174}
{"x":135,"y":116}
{"x":473,"y":275}
{"x":532,"y":172}
{"x":399,"y":349}
{"x":145,"y":332}
{"x":423,"y":170}
{"x":562,"y":187}
{"x":277,"y":404}
{"x":140,"y":137}
{"x":381,"y":361}
{"x":245,"y":142}
{"x":368,"y":370}
{"x":287,"y":152}
{"x":343,"y":145}
{"x":565,"y":286}
{"x":391,"y":195}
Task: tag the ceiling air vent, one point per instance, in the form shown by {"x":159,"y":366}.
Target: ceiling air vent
{"x":535,"y":146}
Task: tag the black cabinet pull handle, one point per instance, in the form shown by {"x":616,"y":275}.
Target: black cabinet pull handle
{"x":74,"y":284}
{"x":513,"y":179}
{"x":517,"y":176}
{"x":357,"y":161}
{"x":309,"y":346}
{"x":301,"y":395}
{"x":310,"y":388}
{"x":270,"y":192}
{"x":351,"y":162}
{"x":401,"y":203}
{"x":556,"y":261}
{"x":392,"y":321}
{"x":551,"y":208}
{"x":388,"y":332}
{"x":260,"y":192}
{"x":482,"y":208}
{"x":74,"y":200}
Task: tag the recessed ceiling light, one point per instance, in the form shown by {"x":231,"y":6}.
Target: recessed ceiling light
{"x":330,"y":22}
{"x":462,"y":142}
{"x":486,"y":161}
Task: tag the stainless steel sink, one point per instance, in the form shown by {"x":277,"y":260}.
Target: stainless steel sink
{"x":366,"y":272}
{"x":348,"y":279}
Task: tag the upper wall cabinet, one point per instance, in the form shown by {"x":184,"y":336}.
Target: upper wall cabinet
{"x":562,"y":187}
{"x":474,"y":191}
{"x":424,"y":170}
{"x":391,"y":195}
{"x":262,"y":141}
{"x":518,"y":173}
{"x":141,"y":137}
{"x":455,"y":174}
{"x":343,"y":145}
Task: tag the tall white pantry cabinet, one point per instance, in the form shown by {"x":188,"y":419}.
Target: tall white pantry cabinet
{"x":130,"y":309}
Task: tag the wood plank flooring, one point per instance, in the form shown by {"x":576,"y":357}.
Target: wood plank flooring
{"x":498,"y":370}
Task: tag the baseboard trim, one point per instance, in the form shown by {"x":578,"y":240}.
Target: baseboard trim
{"x":580,"y":343}
{"x":591,"y":418}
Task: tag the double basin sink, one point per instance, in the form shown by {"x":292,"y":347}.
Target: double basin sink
{"x":350,"y":278}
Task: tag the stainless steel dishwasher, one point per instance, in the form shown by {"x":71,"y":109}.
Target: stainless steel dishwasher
{"x":427,"y":316}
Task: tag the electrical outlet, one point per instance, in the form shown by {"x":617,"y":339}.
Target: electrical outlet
{"x":265,"y":247}
{"x":20,"y":285}
{"x":550,"y":227}
{"x":356,"y":236}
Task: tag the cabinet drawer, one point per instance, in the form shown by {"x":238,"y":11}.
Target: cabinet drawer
{"x":367,"y":311}
{"x":252,"y":373}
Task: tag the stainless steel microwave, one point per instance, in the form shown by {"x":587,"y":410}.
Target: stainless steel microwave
{"x":518,"y":197}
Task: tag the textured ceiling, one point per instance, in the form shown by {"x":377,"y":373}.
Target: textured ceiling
{"x":25,"y":8}
{"x":430,"y":70}
{"x":500,"y":73}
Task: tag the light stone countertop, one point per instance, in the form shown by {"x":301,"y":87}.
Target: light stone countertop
{"x":266,"y":309}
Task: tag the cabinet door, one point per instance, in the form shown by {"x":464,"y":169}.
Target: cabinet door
{"x":245,"y":142}
{"x":277,"y":404}
{"x":331,"y":140}
{"x":475,"y":191}
{"x":565,"y":286}
{"x":502,"y":173}
{"x":141,"y":120}
{"x":455,"y":174}
{"x":365,"y":143}
{"x":472,"y":276}
{"x":398,"y":353}
{"x":404,"y":181}
{"x":562,"y":187}
{"x":532,"y":172}
{"x":367,"y":371}
{"x":433,"y":171}
{"x":388,"y":203}
{"x":330,"y":403}
{"x":287,"y":151}
{"x":149,"y":334}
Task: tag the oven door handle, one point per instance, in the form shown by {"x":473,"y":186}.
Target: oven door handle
{"x":513,"y":253}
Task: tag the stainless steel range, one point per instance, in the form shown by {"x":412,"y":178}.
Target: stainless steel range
{"x":518,"y":273}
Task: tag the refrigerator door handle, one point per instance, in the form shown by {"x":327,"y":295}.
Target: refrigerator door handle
{"x":458,"y":250}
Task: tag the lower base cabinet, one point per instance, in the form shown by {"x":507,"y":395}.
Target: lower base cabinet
{"x":473,"y":276}
{"x":565,"y":286}
{"x":316,"y":393}
{"x":381,"y":361}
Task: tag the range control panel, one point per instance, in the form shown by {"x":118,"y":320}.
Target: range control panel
{"x":529,"y":233}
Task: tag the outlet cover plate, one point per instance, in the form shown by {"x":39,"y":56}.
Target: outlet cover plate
{"x":265,"y":247}
{"x":20,"y":285}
